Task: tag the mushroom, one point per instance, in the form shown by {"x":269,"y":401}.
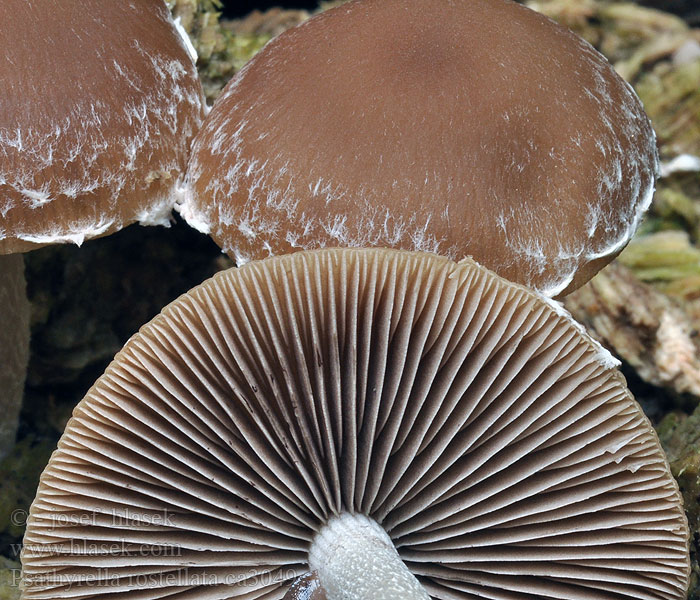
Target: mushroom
{"x":306,"y":587}
{"x":475,"y":128}
{"x":99,"y":103}
{"x":389,"y":419}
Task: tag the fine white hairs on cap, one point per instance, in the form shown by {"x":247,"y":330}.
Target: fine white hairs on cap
{"x":477,"y":128}
{"x":99,"y":105}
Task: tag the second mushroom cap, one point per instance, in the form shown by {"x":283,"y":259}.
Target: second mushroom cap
{"x":475,"y":128}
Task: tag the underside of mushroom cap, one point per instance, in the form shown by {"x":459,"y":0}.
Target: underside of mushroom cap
{"x":463,"y":414}
{"x":477,"y":128}
{"x":99,"y":103}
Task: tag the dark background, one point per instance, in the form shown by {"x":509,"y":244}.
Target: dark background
{"x":239,"y":8}
{"x":688,"y":9}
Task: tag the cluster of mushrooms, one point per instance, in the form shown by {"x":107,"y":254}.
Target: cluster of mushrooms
{"x":392,"y":406}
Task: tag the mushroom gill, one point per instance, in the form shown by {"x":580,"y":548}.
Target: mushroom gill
{"x":461,"y":417}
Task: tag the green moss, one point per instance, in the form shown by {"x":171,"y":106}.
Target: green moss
{"x":677,"y":204}
{"x":9,"y":579}
{"x":671,"y":96}
{"x":667,"y":426}
{"x":680,"y":437}
{"x":634,"y":36}
{"x":221,"y":52}
{"x":630,"y":36}
{"x":668,"y":260}
{"x":687,"y":473}
{"x":19,"y":477}
{"x":243,"y":47}
{"x":328,"y":4}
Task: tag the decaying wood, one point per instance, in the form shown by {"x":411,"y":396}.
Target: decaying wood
{"x":642,"y":326}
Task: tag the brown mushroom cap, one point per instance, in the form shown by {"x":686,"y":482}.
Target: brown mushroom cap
{"x":99,"y":103}
{"x":464,"y":128}
{"x":474,"y":422}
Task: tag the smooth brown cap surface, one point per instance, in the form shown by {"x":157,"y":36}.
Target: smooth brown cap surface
{"x":464,"y":128}
{"x":99,"y":103}
{"x":491,"y":440}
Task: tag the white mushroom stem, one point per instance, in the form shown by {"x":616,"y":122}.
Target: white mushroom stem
{"x":356,"y":560}
{"x":14,"y":346}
